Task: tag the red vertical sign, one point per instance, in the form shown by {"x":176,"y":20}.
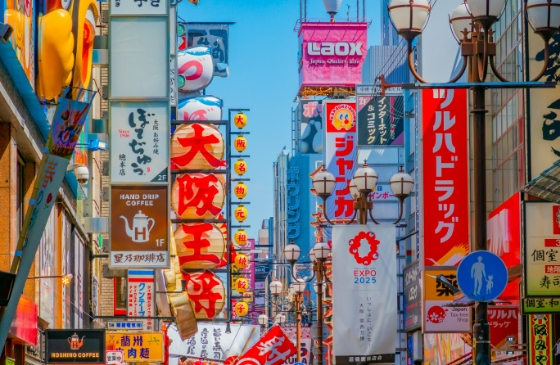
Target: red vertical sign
{"x":445,"y":182}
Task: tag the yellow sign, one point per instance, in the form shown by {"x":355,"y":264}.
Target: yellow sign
{"x":137,"y":347}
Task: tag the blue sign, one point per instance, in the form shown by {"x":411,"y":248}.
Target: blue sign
{"x":482,"y":276}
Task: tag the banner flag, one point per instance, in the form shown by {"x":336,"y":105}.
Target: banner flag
{"x":364,"y":294}
{"x":274,"y":348}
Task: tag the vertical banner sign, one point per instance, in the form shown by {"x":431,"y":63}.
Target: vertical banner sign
{"x":545,"y":106}
{"x":310,"y":138}
{"x":364,"y":294}
{"x":293,"y":203}
{"x":339,"y":119}
{"x":445,"y":176}
{"x":542,"y":250}
{"x":412,"y":297}
{"x":139,"y":226}
{"x":141,"y":296}
{"x":541,"y":342}
{"x":439,"y":316}
{"x":380,"y":120}
{"x":273,"y":348}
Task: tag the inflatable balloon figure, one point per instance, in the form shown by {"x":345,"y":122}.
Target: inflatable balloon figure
{"x":200,"y":108}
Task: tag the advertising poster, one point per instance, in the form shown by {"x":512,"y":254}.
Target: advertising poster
{"x":67,"y":125}
{"x":331,"y":53}
{"x":541,"y":341}
{"x":445,"y":176}
{"x":364,"y":294}
{"x":139,"y":228}
{"x":380,"y":120}
{"x":137,"y":346}
{"x":439,"y":317}
{"x":542,"y":259}
{"x":139,"y":141}
{"x":141,"y":296}
{"x":412,"y":297}
{"x":310,"y":138}
{"x":305,"y":341}
{"x":215,"y":36}
{"x":339,"y":119}
{"x":545,"y":106}
{"x":504,"y":323}
{"x":504,"y":239}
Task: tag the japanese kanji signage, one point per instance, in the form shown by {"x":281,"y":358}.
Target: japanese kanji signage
{"x":541,"y":340}
{"x":504,"y":323}
{"x":215,"y":36}
{"x":541,"y":305}
{"x":198,"y":196}
{"x":114,"y":357}
{"x":293,"y":197}
{"x":139,"y":142}
{"x":544,"y":122}
{"x":365,"y":294}
{"x":445,"y":177}
{"x":273,"y":348}
{"x":206,"y":292}
{"x":305,"y":341}
{"x":339,"y":120}
{"x":439,"y":317}
{"x":310,"y":126}
{"x":76,"y":346}
{"x":139,"y":7}
{"x":504,"y":239}
{"x":380,"y":120}
{"x":141,"y":296}
{"x":542,"y":251}
{"x":139,"y":226}
{"x":199,"y":245}
{"x":137,"y":347}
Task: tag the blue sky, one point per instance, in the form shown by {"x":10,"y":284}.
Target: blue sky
{"x":263,"y":77}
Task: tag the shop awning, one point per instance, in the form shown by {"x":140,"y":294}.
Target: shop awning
{"x":547,"y":185}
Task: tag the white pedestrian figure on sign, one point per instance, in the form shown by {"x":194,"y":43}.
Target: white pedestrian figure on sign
{"x":489,"y":284}
{"x":477,"y":273}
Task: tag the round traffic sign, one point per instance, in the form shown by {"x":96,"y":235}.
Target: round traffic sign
{"x":482,"y":276}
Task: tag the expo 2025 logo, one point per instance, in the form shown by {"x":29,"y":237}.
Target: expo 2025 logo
{"x":367,"y":238}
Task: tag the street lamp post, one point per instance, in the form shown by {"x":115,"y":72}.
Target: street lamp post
{"x":263,"y":321}
{"x":471,"y":23}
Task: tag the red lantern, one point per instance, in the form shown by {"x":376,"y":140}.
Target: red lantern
{"x":197,"y":146}
{"x":206,"y":292}
{"x":199,"y":245}
{"x":198,"y":196}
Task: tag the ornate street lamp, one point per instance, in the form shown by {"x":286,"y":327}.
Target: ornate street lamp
{"x":361,"y":187}
{"x":263,"y":321}
{"x":471,"y":23}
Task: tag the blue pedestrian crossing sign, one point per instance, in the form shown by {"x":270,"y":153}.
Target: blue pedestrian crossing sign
{"x":482,"y":276}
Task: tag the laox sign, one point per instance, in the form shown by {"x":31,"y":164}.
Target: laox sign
{"x":334,"y":49}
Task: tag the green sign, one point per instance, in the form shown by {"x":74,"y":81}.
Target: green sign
{"x":541,"y":305}
{"x":10,"y":361}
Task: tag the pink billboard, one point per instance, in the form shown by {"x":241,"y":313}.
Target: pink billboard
{"x":331,"y":54}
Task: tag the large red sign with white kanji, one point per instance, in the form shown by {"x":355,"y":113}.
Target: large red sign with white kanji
{"x":445,"y":176}
{"x":339,"y":120}
{"x":274,"y":348}
{"x":504,"y":323}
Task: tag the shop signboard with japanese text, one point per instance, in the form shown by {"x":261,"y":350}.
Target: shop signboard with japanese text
{"x":364,"y":294}
{"x":542,"y":250}
{"x":412,"y":297}
{"x":544,"y":122}
{"x":439,"y":316}
{"x":504,"y":239}
{"x":139,"y":228}
{"x":273,"y":348}
{"x":331,"y":54}
{"x":305,"y":341}
{"x":380,"y":120}
{"x":213,"y":35}
{"x":339,"y":121}
{"x":76,"y":346}
{"x":139,"y":7}
{"x":137,"y":347}
{"x":504,"y":324}
{"x":445,"y":176}
{"x":141,"y":296}
{"x":310,"y":127}
{"x":139,"y":142}
{"x":540,"y":344}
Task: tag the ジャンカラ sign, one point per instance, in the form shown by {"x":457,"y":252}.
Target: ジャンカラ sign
{"x":139,"y":226}
{"x":75,"y":346}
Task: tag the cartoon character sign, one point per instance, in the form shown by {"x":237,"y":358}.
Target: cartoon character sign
{"x":65,"y":34}
{"x":201,"y":108}
{"x":195,"y":68}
